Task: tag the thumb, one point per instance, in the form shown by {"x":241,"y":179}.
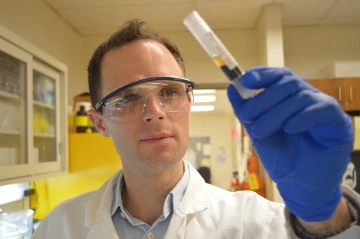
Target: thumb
{"x":236,"y":101}
{"x":237,"y":104}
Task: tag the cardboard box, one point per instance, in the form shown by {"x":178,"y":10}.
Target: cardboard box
{"x":14,"y":160}
{"x":5,"y":156}
{"x":340,"y":69}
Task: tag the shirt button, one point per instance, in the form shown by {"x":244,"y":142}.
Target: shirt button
{"x":122,"y":214}
{"x":150,"y":235}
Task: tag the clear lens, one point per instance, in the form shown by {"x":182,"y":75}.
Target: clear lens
{"x":130,"y":103}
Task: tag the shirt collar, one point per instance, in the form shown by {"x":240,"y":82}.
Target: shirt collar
{"x":171,"y":202}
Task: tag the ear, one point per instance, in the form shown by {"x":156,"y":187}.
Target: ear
{"x":98,"y":121}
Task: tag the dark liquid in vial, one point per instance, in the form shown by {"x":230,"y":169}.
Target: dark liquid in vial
{"x":231,"y":74}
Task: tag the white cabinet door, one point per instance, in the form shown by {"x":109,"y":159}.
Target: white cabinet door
{"x":46,"y":134}
{"x":33,"y":112}
{"x":15,"y":71}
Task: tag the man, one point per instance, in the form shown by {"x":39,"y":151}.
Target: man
{"x":142,"y":101}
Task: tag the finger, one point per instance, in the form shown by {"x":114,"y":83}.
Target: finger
{"x":272,"y":96}
{"x":327,"y":112}
{"x":275,"y":118}
{"x":262,"y":77}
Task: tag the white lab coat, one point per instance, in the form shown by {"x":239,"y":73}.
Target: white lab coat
{"x":205,"y":212}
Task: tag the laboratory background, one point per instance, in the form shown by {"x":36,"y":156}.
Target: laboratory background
{"x":49,"y":151}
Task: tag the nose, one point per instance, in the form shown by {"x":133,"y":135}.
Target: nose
{"x":153,"y":109}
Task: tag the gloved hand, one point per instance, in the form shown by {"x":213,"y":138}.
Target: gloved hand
{"x":302,"y":137}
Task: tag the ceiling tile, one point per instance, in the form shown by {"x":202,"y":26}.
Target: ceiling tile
{"x":340,"y":21}
{"x":96,"y":31}
{"x":235,"y":1}
{"x":91,"y":17}
{"x":65,"y":4}
{"x":300,"y":22}
{"x":232,"y":25}
{"x":305,"y":10}
{"x":115,"y":16}
{"x":236,"y":14}
{"x":345,"y":8}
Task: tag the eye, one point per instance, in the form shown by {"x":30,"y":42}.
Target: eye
{"x":123,"y":102}
{"x":170,"y":91}
{"x":128,"y":99}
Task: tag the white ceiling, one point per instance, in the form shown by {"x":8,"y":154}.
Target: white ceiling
{"x":102,"y":17}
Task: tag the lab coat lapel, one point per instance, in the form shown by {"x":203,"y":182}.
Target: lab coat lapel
{"x":194,"y":201}
{"x":176,"y":229}
{"x":195,"y":198}
{"x":97,"y":216}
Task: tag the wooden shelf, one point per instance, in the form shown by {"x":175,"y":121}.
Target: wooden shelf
{"x":9,"y":132}
{"x":9,"y":95}
{"x":44,"y":105}
{"x":344,"y":90}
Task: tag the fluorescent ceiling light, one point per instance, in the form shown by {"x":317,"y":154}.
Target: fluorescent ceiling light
{"x":201,"y":108}
{"x":204,"y":98}
{"x":204,"y":92}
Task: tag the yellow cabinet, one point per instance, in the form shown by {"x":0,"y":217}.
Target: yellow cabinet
{"x":91,"y":151}
{"x":92,"y":161}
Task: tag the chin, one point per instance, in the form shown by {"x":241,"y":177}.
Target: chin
{"x":161,"y":161}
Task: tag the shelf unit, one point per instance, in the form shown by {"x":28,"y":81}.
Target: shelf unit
{"x":9,"y":132}
{"x":9,"y":95}
{"x":345,"y":90}
{"x":28,"y":70}
{"x":44,"y":105}
{"x":39,"y":135}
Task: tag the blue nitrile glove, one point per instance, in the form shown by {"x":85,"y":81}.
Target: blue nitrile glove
{"x":302,"y":137}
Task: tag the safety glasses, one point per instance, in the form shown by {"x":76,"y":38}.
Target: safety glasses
{"x":129,"y":102}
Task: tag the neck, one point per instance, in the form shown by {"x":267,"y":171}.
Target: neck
{"x":144,"y":194}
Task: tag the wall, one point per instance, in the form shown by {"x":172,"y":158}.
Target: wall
{"x":218,"y":127}
{"x":270,"y":51}
{"x":199,"y":66}
{"x":38,"y":24}
{"x":308,"y":49}
{"x":357,"y":132}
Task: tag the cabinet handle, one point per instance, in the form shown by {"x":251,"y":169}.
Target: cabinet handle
{"x":60,"y":148}
{"x":339,"y":94}
{"x":350,"y":93}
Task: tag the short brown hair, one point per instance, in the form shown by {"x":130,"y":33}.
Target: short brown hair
{"x":130,"y":32}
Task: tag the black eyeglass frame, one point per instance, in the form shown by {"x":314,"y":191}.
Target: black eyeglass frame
{"x":101,"y":103}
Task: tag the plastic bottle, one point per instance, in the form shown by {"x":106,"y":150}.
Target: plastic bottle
{"x":82,"y":120}
{"x":253,"y":180}
{"x":235,"y":184}
{"x":89,"y":129}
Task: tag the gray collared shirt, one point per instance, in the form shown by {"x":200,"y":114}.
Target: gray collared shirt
{"x":129,"y":227}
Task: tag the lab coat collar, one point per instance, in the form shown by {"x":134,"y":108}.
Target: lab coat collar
{"x":195,"y":200}
{"x":97,"y":215}
{"x":98,"y":218}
